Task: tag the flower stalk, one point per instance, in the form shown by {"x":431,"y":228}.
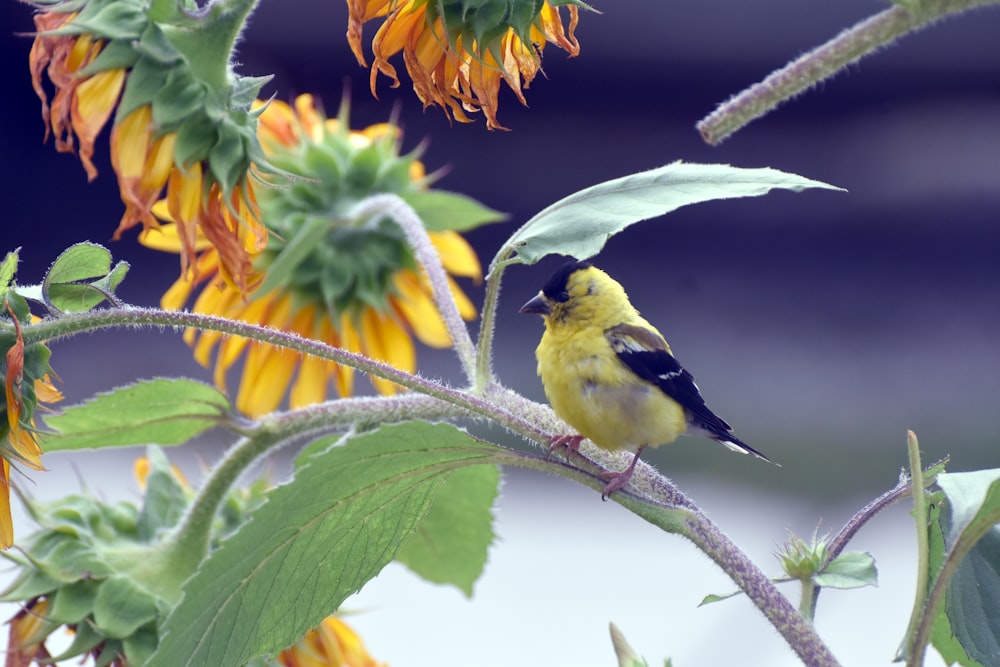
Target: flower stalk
{"x":403,"y":215}
{"x":824,"y":61}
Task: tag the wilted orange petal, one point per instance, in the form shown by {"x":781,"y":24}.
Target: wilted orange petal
{"x":94,"y":101}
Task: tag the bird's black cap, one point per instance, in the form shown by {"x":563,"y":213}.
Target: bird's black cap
{"x":555,"y":288}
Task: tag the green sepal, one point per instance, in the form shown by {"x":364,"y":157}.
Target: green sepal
{"x":144,"y":81}
{"x":115,"y":55}
{"x":227,"y":159}
{"x":155,"y":46}
{"x":246,"y":89}
{"x":173,"y":103}
{"x":28,"y":585}
{"x":140,"y":645}
{"x":85,"y":639}
{"x":121,"y":607}
{"x":113,"y":20}
{"x":73,"y":602}
{"x":162,"y":411}
{"x":66,"y":559}
{"x":195,"y":138}
{"x":165,"y":499}
{"x":441,"y":210}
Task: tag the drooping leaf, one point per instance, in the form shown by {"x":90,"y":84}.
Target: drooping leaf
{"x":580,"y":224}
{"x":161,"y":411}
{"x":973,"y":538}
{"x":849,"y":570}
{"x":712,"y":598}
{"x":317,"y":540}
{"x":450,"y":544}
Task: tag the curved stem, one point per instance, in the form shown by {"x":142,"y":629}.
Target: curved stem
{"x":68,"y":325}
{"x":403,"y":214}
{"x":822,"y":62}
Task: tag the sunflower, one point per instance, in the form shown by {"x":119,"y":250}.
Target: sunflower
{"x":332,"y":644}
{"x":458,"y":51}
{"x":179,"y":128}
{"x":351,"y":283}
{"x":27,"y":384}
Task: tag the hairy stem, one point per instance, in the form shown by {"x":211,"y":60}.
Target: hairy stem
{"x":68,"y":325}
{"x":920,"y":517}
{"x":824,"y":61}
{"x":403,"y":214}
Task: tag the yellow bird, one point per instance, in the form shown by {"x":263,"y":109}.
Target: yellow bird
{"x":611,"y":375}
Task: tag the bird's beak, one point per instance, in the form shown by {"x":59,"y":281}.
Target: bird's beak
{"x":537,"y":305}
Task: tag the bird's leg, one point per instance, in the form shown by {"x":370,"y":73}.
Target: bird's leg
{"x":619,"y":479}
{"x":570,"y":442}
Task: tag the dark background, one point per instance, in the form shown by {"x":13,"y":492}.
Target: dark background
{"x":822,"y":325}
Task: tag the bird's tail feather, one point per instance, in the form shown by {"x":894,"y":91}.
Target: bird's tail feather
{"x":737,"y":445}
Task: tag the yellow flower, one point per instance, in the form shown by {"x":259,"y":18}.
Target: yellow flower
{"x":174,"y":132}
{"x":24,"y":389}
{"x":332,"y":644}
{"x":457,"y":52}
{"x":352,"y":284}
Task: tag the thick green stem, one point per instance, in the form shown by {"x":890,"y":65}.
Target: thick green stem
{"x":920,"y":517}
{"x":207,"y":37}
{"x":806,"y":71}
{"x":487,"y":323}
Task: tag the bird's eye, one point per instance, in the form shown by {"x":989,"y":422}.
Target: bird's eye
{"x":562,"y":297}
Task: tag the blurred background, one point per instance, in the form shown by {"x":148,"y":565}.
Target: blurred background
{"x":822,"y":325}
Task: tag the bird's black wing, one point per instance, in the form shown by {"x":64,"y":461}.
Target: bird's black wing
{"x":646,"y":354}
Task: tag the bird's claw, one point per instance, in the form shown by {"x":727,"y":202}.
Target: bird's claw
{"x":570,"y":442}
{"x":617,"y":481}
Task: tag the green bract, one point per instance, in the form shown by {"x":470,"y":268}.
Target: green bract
{"x":317,"y":251}
{"x":179,"y":65}
{"x":101,"y":566}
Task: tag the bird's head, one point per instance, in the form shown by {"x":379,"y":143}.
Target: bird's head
{"x":579,"y":293}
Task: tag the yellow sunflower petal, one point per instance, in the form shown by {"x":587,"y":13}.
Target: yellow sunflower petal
{"x":418,"y":309}
{"x":384,"y":339}
{"x":457,"y":256}
{"x":6,"y":522}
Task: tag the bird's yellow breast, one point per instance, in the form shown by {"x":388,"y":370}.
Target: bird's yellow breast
{"x":595,"y":393}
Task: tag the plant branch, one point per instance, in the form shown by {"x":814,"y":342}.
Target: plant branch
{"x":920,"y":517}
{"x":487,"y":324}
{"x":403,"y":215}
{"x":824,"y":61}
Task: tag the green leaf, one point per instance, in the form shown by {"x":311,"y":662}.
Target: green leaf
{"x":712,"y":598}
{"x":973,"y":539}
{"x":440,"y":210}
{"x":451,"y":543}
{"x":161,"y":411}
{"x":8,"y":268}
{"x":849,"y":570}
{"x":580,"y":224}
{"x":64,"y":286}
{"x":121,"y":607}
{"x":942,"y":638}
{"x":316,"y":541}
{"x":73,"y":602}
